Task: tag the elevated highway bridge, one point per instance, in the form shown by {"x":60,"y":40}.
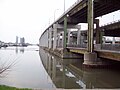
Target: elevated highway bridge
{"x":78,"y":12}
{"x":58,"y":34}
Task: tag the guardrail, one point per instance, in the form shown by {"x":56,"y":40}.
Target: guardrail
{"x":112,"y":47}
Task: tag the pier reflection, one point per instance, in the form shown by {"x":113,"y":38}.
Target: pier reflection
{"x":19,"y":50}
{"x":69,"y":73}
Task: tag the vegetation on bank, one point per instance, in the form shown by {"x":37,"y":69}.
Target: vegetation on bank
{"x":3,"y":87}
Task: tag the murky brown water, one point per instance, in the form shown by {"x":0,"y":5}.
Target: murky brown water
{"x":39,"y":69}
{"x":69,"y":73}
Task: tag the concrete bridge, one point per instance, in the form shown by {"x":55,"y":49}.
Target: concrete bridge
{"x":59,"y":39}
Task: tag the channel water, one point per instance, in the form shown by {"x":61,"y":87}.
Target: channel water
{"x":32,"y":67}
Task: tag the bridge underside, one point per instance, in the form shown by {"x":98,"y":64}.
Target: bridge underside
{"x":60,"y":34}
{"x":111,"y":29}
{"x":114,"y":33}
{"x":101,"y":7}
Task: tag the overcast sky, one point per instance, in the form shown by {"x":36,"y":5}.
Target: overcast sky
{"x":29,"y":18}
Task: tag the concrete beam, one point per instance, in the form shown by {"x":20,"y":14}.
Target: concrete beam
{"x":61,"y":26}
{"x":113,"y":55}
{"x":109,"y":55}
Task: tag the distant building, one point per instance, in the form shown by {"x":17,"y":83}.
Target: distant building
{"x":0,"y":43}
{"x":22,"y":41}
{"x":16,"y":40}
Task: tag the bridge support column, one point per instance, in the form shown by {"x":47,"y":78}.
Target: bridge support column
{"x":65,"y":32}
{"x":55,"y":36}
{"x":62,"y":44}
{"x":50,"y":38}
{"x":68,"y":37}
{"x":58,"y":42}
{"x":98,"y":44}
{"x":113,"y":41}
{"x":90,"y":57}
{"x":97,"y":32}
{"x":90,"y":26}
{"x":79,"y":36}
{"x":83,"y":41}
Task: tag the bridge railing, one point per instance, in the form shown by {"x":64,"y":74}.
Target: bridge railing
{"x":112,"y":47}
{"x":77,"y":46}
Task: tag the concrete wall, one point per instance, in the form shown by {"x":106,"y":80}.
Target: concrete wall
{"x":43,"y":41}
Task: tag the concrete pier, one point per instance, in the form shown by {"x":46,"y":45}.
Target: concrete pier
{"x":90,"y":58}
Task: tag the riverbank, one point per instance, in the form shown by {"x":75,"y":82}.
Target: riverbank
{"x":4,"y":87}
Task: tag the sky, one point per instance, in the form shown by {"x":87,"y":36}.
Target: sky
{"x":29,"y":18}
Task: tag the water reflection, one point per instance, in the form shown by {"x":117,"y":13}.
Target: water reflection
{"x":19,"y":49}
{"x":6,"y":67}
{"x":28,"y":72}
{"x":16,"y":50}
{"x":69,"y":73}
{"x":57,"y":70}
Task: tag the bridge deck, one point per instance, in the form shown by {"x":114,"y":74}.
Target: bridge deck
{"x":108,"y":54}
{"x":78,"y":12}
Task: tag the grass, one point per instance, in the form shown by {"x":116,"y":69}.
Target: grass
{"x":4,"y":87}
